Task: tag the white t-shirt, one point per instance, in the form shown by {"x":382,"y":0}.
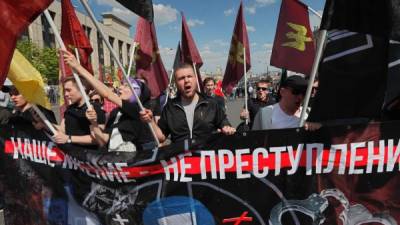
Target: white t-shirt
{"x":281,"y":120}
{"x":273,"y":117}
{"x":189,"y":108}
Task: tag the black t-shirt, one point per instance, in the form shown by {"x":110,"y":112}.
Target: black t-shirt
{"x":26,"y":116}
{"x":129,"y":125}
{"x":76,"y":122}
{"x":18,"y":117}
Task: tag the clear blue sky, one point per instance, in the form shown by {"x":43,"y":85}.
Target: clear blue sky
{"x":211,"y":23}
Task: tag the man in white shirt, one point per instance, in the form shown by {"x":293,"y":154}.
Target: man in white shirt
{"x":285,"y":113}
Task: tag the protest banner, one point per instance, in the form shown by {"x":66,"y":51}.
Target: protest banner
{"x":341,"y":173}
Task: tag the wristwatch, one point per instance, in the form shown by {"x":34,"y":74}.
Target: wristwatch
{"x":69,"y":141}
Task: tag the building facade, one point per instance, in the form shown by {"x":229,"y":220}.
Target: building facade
{"x":115,"y":29}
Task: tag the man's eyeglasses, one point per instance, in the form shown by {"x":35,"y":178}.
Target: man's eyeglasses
{"x":261,"y":88}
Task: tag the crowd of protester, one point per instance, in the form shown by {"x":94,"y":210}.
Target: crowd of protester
{"x":115,"y":121}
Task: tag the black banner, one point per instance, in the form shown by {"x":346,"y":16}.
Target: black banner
{"x":337,"y":175}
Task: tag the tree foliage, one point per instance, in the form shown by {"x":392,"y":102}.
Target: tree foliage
{"x":45,"y":60}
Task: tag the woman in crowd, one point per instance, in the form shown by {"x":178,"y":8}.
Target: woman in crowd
{"x":124,"y":131}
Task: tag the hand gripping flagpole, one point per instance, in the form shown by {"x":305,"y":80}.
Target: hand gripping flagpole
{"x":43,"y":117}
{"x":62,"y":45}
{"x":318,"y":56}
{"x":93,"y":18}
{"x":245,"y":85}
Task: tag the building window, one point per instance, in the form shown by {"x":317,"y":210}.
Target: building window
{"x":128,"y":52}
{"x":25,"y":35}
{"x":47,"y":32}
{"x":88,"y":31}
{"x":111,"y":40}
{"x":120,"y":45}
{"x":100,"y":47}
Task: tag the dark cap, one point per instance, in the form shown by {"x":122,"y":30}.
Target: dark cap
{"x":295,"y":82}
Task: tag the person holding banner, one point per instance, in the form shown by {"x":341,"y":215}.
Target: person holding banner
{"x":190,"y":115}
{"x":75,"y":127}
{"x":23,"y":112}
{"x":123,"y":131}
{"x":285,"y":113}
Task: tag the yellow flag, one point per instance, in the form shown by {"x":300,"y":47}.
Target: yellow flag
{"x":28,"y":80}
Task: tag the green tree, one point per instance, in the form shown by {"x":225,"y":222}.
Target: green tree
{"x":44,"y":60}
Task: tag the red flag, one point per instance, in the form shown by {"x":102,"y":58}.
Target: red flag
{"x":293,"y":46}
{"x":190,"y":53}
{"x":154,"y":73}
{"x":189,"y":50}
{"x":74,"y":36}
{"x":235,"y":66}
{"x":218,"y":89}
{"x":15,"y":16}
{"x":144,"y":50}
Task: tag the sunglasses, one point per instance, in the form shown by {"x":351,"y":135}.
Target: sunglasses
{"x":261,"y":88}
{"x":297,"y":91}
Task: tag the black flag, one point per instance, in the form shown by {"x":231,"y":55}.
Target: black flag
{"x":376,"y":17}
{"x":392,"y":100}
{"x":352,"y":77}
{"x":143,"y":8}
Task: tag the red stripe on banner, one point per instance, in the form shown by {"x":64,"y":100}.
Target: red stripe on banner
{"x":38,"y":151}
{"x":356,"y":158}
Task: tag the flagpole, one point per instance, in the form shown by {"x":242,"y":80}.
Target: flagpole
{"x":134,"y":46}
{"x":79,"y":61}
{"x":318,"y":56}
{"x":197,"y":76}
{"x":245,"y":85}
{"x":169,"y":86}
{"x":93,"y":18}
{"x":62,"y":45}
{"x":43,"y":117}
{"x":314,"y":12}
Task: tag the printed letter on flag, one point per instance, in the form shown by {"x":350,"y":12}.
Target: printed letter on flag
{"x":293,"y":46}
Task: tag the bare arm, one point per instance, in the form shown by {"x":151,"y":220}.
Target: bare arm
{"x":62,"y":138}
{"x":100,"y":87}
{"x":96,"y":130}
{"x":100,"y":137}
